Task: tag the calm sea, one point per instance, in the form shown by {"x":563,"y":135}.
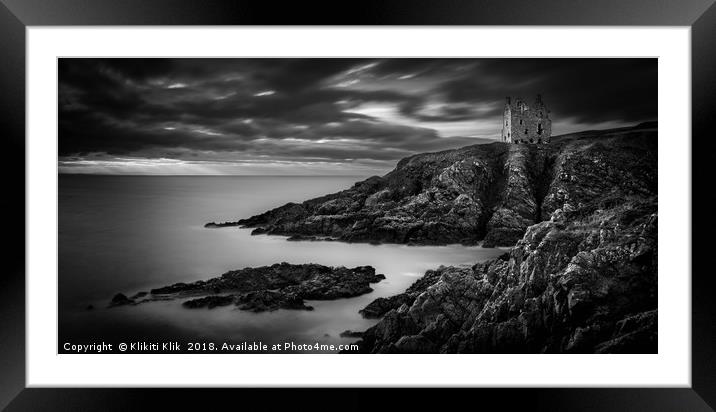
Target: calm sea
{"x":133,"y":233}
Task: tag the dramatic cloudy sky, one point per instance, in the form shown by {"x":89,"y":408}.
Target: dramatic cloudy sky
{"x":321,"y":116}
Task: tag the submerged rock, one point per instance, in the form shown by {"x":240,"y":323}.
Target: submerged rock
{"x":301,"y":238}
{"x":222,"y":224}
{"x":209,"y":302}
{"x":121,"y":299}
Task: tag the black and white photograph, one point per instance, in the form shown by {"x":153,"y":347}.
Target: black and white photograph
{"x":295,"y":205}
{"x":357,"y":205}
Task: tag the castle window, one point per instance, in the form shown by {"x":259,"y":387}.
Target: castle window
{"x":520,"y":121}
{"x":532,"y":140}
{"x":539,"y":128}
{"x":525,"y":131}
{"x":539,"y":140}
{"x":540,"y":114}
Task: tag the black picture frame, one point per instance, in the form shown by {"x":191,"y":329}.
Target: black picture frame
{"x":16,"y":15}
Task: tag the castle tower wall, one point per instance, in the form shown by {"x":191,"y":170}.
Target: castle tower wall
{"x":526,"y":123}
{"x":507,"y":123}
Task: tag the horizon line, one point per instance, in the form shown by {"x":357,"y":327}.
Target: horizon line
{"x":645,"y":124}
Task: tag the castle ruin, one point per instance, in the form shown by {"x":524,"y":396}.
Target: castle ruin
{"x":523,"y":123}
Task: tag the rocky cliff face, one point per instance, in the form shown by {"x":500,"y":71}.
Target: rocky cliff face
{"x":457,"y":196}
{"x":581,"y":213}
{"x":582,"y":280}
{"x":487,"y":192}
{"x":575,"y":284}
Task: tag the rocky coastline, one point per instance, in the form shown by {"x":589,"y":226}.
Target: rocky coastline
{"x":580,"y":213}
{"x":265,"y":288}
{"x":483,"y":194}
{"x":583,"y":280}
{"x":588,"y":286}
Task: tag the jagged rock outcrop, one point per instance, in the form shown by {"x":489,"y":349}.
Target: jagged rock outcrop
{"x":120,"y":299}
{"x":350,"y":334}
{"x":584,"y":280}
{"x":435,"y":198}
{"x":268,"y":288}
{"x":489,"y":192}
{"x":381,"y":306}
{"x":581,"y":213}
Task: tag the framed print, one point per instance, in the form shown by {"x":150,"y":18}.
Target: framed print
{"x":496,"y":198}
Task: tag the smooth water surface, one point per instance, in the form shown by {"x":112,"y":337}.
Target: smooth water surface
{"x":133,"y":233}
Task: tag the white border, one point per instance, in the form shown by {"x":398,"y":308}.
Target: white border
{"x":671,"y":367}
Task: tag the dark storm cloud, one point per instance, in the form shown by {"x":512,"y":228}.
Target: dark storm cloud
{"x":587,"y":90}
{"x":333,"y":110}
